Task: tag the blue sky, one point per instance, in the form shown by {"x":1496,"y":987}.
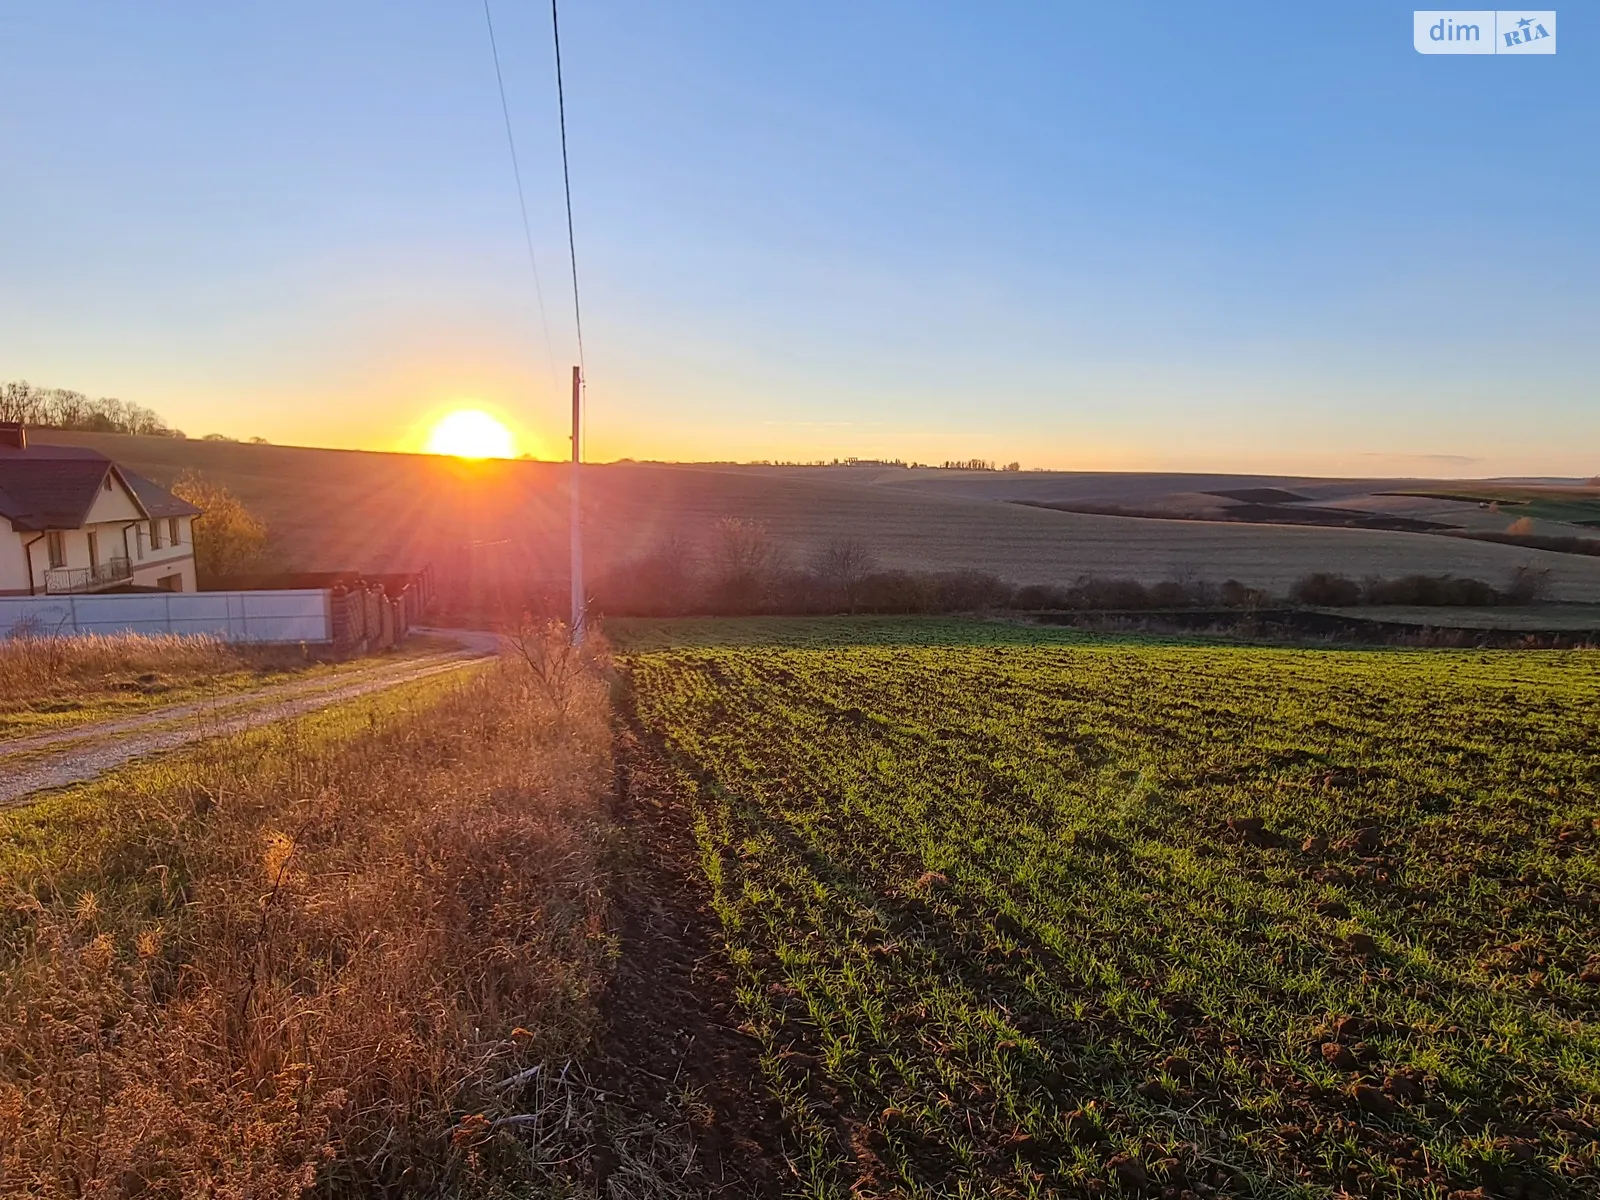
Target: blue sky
{"x":1253,"y":237}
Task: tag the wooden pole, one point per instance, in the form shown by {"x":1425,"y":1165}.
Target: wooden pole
{"x":578,"y":617}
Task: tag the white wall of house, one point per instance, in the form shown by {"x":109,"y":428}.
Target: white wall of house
{"x":170,"y":565}
{"x":175,"y":574}
{"x":13,"y":561}
{"x":162,"y":549}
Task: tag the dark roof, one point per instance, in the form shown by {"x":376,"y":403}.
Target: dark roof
{"x":54,"y":487}
{"x":155,"y":499}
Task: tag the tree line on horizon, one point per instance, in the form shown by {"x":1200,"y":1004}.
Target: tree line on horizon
{"x":63,"y":408}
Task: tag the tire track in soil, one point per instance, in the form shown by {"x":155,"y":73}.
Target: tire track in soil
{"x":665,"y":1017}
{"x":90,"y":755}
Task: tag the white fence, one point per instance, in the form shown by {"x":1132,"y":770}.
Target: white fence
{"x":301,"y":615}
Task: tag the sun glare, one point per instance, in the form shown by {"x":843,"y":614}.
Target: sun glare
{"x":471,"y":433}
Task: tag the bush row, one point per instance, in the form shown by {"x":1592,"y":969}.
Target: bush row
{"x":745,"y":572}
{"x":1525,"y":585}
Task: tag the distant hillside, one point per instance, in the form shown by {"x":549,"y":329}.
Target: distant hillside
{"x":338,"y":509}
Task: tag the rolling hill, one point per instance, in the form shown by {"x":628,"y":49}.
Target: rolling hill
{"x":345,"y":509}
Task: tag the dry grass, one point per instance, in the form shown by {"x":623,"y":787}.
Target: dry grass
{"x":353,"y":953}
{"x":34,"y":669}
{"x":493,"y":526}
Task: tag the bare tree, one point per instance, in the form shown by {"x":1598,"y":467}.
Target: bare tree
{"x":665,"y":579}
{"x":1528,"y":584}
{"x":62,"y":408}
{"x":20,"y":401}
{"x":746,"y":560}
{"x":844,"y":564}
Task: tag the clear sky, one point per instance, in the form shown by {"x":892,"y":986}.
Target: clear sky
{"x":1259,"y":236}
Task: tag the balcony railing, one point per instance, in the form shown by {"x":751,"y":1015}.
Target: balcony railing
{"x":113,"y":571}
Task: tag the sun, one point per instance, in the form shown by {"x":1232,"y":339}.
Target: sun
{"x":471,"y":433}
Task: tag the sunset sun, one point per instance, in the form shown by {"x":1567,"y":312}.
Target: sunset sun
{"x":471,"y":433}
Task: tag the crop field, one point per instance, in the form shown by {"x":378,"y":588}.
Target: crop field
{"x":345,"y":509}
{"x":1577,"y":618}
{"x":1571,"y":505}
{"x":1026,"y":913}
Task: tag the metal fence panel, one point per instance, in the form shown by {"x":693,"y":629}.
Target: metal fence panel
{"x":299,"y":615}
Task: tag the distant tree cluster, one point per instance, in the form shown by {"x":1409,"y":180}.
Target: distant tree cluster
{"x":63,"y":408}
{"x":978,"y":464}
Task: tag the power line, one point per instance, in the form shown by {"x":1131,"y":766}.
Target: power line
{"x":522,"y":202}
{"x":566,"y":177}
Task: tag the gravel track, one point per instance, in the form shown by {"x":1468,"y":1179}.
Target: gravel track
{"x":88,"y":751}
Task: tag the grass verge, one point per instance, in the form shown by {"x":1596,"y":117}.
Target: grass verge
{"x":359,"y":952}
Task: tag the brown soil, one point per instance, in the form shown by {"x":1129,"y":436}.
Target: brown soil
{"x":667,"y":1021}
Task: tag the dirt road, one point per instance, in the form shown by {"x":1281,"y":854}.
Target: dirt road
{"x":50,"y":760}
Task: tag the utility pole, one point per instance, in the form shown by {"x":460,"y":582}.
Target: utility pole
{"x":579,"y":619}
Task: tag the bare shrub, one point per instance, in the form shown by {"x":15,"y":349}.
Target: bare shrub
{"x":555,"y":668}
{"x":843,"y":566}
{"x":896,"y":592}
{"x":1527,"y":584}
{"x":1172,"y":593}
{"x":1429,"y":591}
{"x":968,"y":591}
{"x":1091,"y":592}
{"x":1327,"y":590}
{"x":745,"y":561}
{"x":668,"y":578}
{"x":1521,"y":527}
{"x":1040,"y":596}
{"x":1233,"y":594}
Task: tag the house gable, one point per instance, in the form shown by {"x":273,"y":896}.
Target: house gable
{"x":115,"y":501}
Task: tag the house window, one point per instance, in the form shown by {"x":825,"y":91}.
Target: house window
{"x":56,"y":547}
{"x":155,"y":535}
{"x":172,"y":531}
{"x":94,"y":550}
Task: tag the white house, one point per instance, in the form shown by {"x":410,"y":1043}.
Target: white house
{"x":71,"y":520}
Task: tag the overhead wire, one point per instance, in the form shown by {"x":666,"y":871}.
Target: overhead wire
{"x":522,"y":200}
{"x":566,"y":178}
